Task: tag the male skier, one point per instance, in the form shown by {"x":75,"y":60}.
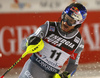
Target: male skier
{"x":62,"y":42}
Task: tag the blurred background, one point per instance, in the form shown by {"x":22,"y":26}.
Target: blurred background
{"x":20,"y":18}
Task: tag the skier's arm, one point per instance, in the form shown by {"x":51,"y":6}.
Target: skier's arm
{"x":73,"y":64}
{"x":40,"y":32}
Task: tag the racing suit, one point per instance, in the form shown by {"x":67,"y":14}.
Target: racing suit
{"x":59,"y":47}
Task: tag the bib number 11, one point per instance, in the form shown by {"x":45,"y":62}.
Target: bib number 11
{"x":54,"y":52}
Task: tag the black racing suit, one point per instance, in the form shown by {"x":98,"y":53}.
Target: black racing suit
{"x":59,"y":47}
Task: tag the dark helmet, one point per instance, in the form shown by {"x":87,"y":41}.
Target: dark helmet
{"x":76,"y":11}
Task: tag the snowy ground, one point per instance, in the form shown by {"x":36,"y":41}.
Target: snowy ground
{"x":83,"y":71}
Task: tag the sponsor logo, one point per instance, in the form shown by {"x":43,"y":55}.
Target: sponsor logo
{"x":77,"y":39}
{"x":77,"y":59}
{"x":20,"y":5}
{"x":52,"y":28}
{"x":76,"y":13}
{"x":9,"y":46}
{"x":58,"y":41}
{"x":73,"y":56}
{"x":50,"y":3}
{"x":35,"y":48}
{"x":45,"y":65}
{"x":48,"y":61}
{"x":75,"y":10}
{"x":28,"y":74}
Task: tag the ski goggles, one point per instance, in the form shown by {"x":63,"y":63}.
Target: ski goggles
{"x":70,"y":21}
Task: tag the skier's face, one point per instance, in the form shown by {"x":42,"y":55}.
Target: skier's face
{"x":66,"y":23}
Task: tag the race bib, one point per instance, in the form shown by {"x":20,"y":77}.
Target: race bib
{"x":53,"y":56}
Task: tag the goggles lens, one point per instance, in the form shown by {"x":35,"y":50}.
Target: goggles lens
{"x":69,"y":20}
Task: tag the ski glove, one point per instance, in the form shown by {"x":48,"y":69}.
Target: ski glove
{"x":33,"y":40}
{"x":63,"y":75}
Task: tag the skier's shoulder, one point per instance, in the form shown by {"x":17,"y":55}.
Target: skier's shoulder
{"x":51,"y":23}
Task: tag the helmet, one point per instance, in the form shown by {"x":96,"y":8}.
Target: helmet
{"x":76,"y":11}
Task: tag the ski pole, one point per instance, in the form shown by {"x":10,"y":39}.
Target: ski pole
{"x":30,"y":49}
{"x":11,"y":67}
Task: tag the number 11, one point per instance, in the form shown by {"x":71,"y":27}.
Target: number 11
{"x":53,"y":54}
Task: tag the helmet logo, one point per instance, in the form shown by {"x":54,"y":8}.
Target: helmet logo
{"x":76,"y":13}
{"x":75,"y":10}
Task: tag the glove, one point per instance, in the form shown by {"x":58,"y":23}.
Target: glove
{"x":63,"y":75}
{"x":36,"y":43}
{"x":33,"y":40}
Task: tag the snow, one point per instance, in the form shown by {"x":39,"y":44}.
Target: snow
{"x":83,"y":71}
{"x":0,"y":55}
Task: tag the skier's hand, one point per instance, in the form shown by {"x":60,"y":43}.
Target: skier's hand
{"x":33,"y":40}
{"x":63,"y":75}
{"x":34,"y":44}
